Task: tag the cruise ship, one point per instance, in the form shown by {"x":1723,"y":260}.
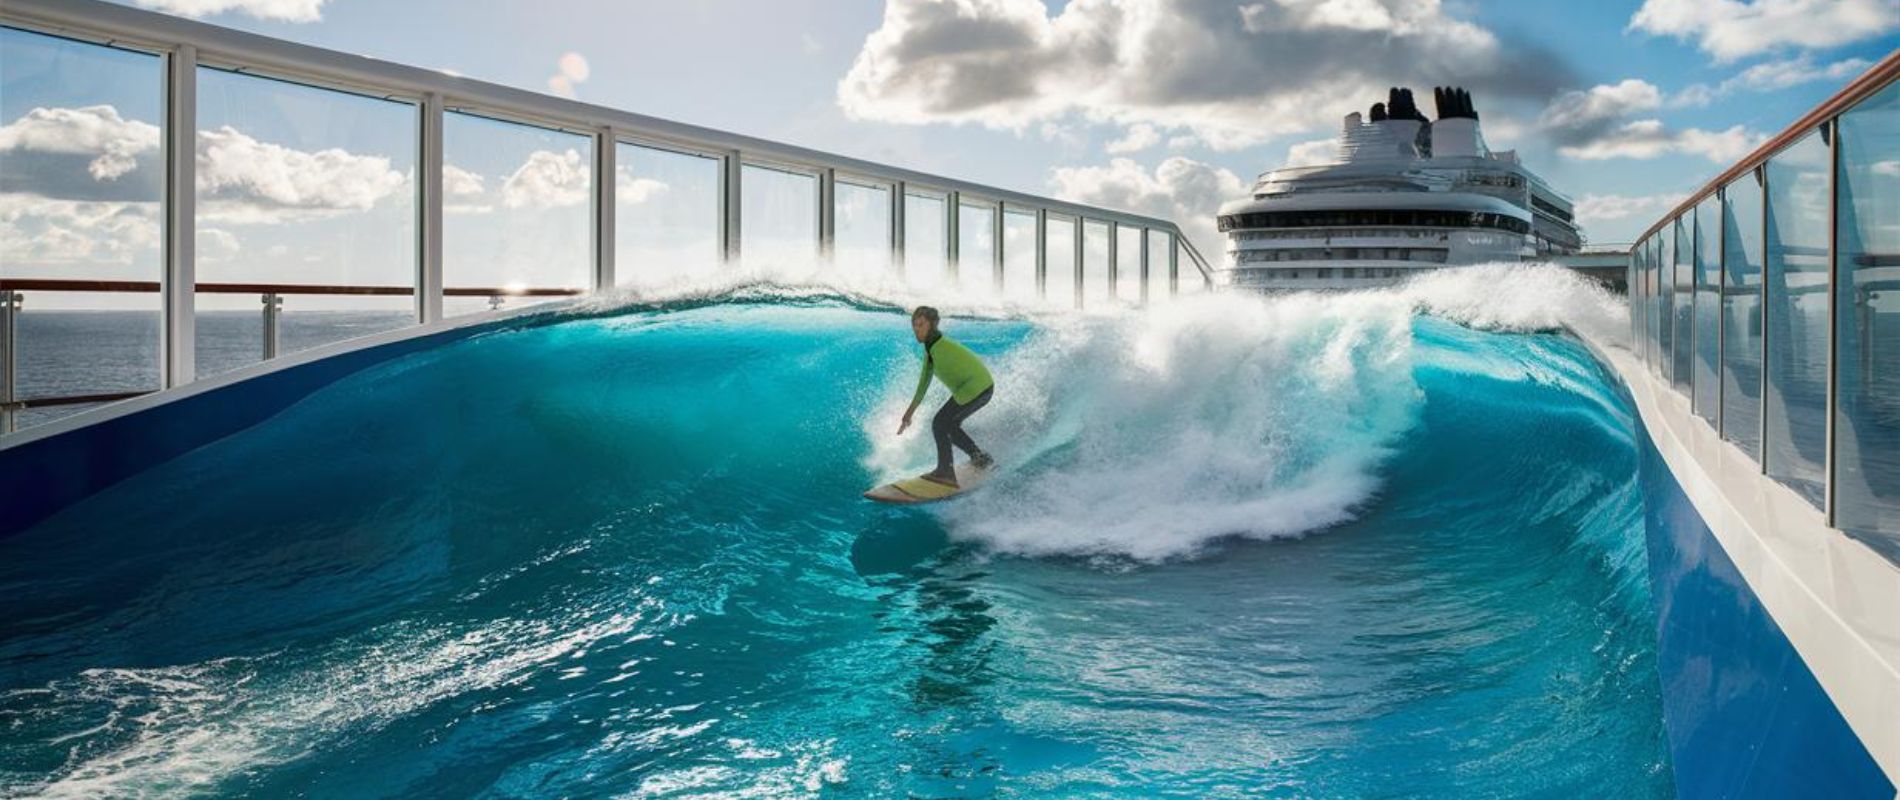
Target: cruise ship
{"x":1405,"y":194}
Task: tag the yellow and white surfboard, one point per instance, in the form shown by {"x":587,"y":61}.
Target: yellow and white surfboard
{"x":911,"y":491}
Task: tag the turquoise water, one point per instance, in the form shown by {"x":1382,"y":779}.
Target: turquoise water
{"x":1316,"y":548}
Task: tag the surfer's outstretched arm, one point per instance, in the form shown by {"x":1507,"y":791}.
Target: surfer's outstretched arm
{"x":923,"y":385}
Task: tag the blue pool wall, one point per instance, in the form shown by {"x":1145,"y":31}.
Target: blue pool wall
{"x":1746,"y":717}
{"x":46,"y":475}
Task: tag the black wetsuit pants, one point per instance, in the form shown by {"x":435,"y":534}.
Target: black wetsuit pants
{"x":947,"y":426}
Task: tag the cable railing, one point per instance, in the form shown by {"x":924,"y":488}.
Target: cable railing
{"x":426,"y":99}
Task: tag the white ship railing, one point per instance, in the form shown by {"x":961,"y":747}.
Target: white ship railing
{"x":184,"y":44}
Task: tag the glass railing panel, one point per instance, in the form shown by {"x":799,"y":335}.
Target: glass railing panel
{"x":1158,"y":266}
{"x":666,"y":216}
{"x":1796,"y":255}
{"x":1867,"y":297}
{"x":285,"y":202}
{"x":1019,"y":256}
{"x":779,"y":220}
{"x":1682,"y":305}
{"x":925,"y":263}
{"x":976,"y":243}
{"x":81,"y":191}
{"x":1742,"y":313}
{"x":1708,"y":309}
{"x":1666,"y":302}
{"x":1128,"y":264}
{"x":517,"y":212}
{"x":861,"y":242}
{"x":1060,"y":276}
{"x":1095,"y":285}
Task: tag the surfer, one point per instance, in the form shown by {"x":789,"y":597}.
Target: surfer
{"x":970,"y":389}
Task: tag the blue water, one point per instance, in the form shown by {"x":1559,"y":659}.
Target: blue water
{"x":1238,"y":548}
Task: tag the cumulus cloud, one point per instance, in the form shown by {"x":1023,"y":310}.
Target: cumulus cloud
{"x":1595,"y":124}
{"x":1607,"y":207}
{"x":1315,"y":152}
{"x":1230,"y":74}
{"x":1138,"y":137}
{"x":112,"y":142}
{"x":1732,"y":29}
{"x":570,"y":70}
{"x":1770,"y":76}
{"x":241,"y":179}
{"x":1181,"y":189}
{"x":547,"y":180}
{"x":280,"y":10}
{"x":629,"y":189}
{"x":35,"y":229}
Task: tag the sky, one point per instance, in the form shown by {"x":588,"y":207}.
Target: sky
{"x":1165,"y":107}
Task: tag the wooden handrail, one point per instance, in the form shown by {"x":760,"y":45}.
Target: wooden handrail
{"x":70,"y":285}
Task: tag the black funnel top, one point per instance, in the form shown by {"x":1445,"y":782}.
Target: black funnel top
{"x":1453,"y":103}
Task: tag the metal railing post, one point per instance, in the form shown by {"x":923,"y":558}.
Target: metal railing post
{"x":1143,"y":292}
{"x":827,"y":214}
{"x":1114,"y":261}
{"x":1081,"y":261}
{"x":953,"y":235}
{"x":1831,"y":132}
{"x":10,"y":302}
{"x":178,"y":337}
{"x":897,"y":228}
{"x":731,"y":181}
{"x":1174,"y":263}
{"x":429,"y":202}
{"x":1042,"y":253}
{"x":606,"y":195}
{"x":273,"y":314}
{"x":997,"y":224}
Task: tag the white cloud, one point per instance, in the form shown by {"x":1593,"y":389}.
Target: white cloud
{"x":1607,"y":207}
{"x":215,"y":244}
{"x":570,"y":70}
{"x":282,"y":10}
{"x":1770,"y":76}
{"x":1180,"y":189}
{"x":1600,"y":104}
{"x":1230,"y":76}
{"x":629,"y":189}
{"x":1315,"y":152}
{"x":99,"y":131}
{"x":36,"y":230}
{"x":241,"y":179}
{"x":547,"y":180}
{"x":1649,"y":138}
{"x":458,"y":182}
{"x":1732,"y":29}
{"x":1138,"y":137}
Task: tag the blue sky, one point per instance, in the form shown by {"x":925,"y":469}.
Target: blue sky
{"x":1159,"y":106}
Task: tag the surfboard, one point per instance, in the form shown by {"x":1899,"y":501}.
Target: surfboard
{"x":911,"y":491}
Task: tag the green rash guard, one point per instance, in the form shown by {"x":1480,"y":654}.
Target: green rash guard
{"x":957,"y":367}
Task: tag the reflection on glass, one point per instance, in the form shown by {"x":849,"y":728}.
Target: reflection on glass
{"x":1128,"y":264}
{"x":1095,"y":286}
{"x":925,"y":265}
{"x":282,"y":201}
{"x":1158,"y":266}
{"x":861,"y":241}
{"x":1741,"y":314}
{"x":1867,"y":425}
{"x":976,"y":268}
{"x":1019,"y":256}
{"x":81,"y":180}
{"x":1683,"y":307}
{"x":1059,"y":277}
{"x":1708,"y":318}
{"x":517,"y":211}
{"x":1665,"y":313}
{"x":666,"y":215}
{"x":779,"y":219}
{"x":1797,"y":276}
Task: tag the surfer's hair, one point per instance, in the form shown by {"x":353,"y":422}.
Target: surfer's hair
{"x":928,"y":314}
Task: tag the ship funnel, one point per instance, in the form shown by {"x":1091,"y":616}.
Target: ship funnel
{"x":1456,"y":131}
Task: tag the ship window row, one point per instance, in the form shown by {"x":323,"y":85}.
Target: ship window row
{"x":1739,"y":301}
{"x":1248,"y":277}
{"x":1430,"y":255}
{"x":1431,"y":234}
{"x":1419,"y":218}
{"x":1550,"y":208}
